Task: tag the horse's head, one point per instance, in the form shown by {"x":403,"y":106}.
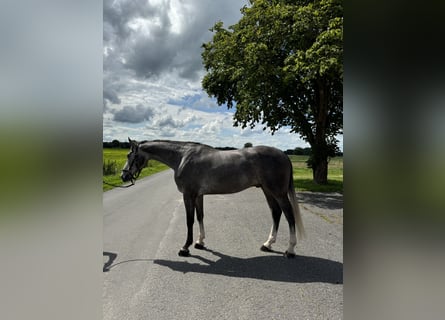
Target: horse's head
{"x":136,"y":161}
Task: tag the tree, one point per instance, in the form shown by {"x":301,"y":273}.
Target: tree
{"x":248,"y":145}
{"x":115,"y":144}
{"x":282,"y":65}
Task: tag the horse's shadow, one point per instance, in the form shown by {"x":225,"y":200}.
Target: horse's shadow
{"x":301,"y":269}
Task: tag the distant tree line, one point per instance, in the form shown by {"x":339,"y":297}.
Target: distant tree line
{"x":116,"y":144}
{"x":299,"y":151}
{"x":306,"y":152}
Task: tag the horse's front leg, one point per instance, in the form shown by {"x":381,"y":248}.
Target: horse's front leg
{"x":189,"y":203}
{"x":199,"y":244}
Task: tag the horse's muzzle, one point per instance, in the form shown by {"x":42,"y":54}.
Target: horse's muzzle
{"x":126,"y":176}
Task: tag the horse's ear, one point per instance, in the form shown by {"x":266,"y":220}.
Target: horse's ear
{"x":133,"y":143}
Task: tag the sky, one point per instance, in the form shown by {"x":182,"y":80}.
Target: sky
{"x":152,"y":72}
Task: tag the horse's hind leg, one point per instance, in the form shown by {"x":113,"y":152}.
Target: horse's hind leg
{"x":276,"y":215}
{"x":289,"y":214}
{"x":199,"y":244}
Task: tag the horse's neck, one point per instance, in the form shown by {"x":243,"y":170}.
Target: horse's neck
{"x":168,"y":153}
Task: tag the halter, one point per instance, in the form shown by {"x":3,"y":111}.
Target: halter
{"x":135,"y":175}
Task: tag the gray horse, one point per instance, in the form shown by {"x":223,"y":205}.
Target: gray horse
{"x":200,"y":169}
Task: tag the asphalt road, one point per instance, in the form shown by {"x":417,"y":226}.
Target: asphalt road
{"x":144,"y":278}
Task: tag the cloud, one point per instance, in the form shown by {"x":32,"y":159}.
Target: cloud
{"x":110,"y":95}
{"x":152,"y":57}
{"x":152,"y":51}
{"x":117,"y":16}
{"x":156,"y":39}
{"x":139,"y":35}
{"x":212,"y":127}
{"x":199,"y":101}
{"x":168,"y":121}
{"x":135,"y":114}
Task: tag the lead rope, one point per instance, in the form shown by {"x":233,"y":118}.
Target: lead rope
{"x":118,"y":186}
{"x":133,"y":179}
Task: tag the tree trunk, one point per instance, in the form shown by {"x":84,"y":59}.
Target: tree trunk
{"x":320,"y":171}
{"x":316,"y":134}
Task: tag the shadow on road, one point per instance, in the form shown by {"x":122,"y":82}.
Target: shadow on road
{"x":111,"y":257}
{"x":301,"y":269}
{"x":331,"y":201}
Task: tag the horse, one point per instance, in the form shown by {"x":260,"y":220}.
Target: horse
{"x":200,"y":170}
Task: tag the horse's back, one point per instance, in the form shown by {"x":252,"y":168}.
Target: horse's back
{"x":268,"y":156}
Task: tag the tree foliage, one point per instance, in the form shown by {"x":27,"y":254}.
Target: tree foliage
{"x":282,"y":65}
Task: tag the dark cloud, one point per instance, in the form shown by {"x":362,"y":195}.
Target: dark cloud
{"x":142,"y":50}
{"x":111,"y":96}
{"x":117,"y":15}
{"x":135,"y":114}
{"x":145,"y":40}
{"x":151,"y":56}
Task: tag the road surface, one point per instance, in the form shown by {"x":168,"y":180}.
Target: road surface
{"x":144,"y":278}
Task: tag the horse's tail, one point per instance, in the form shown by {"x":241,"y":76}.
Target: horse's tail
{"x":296,"y":208}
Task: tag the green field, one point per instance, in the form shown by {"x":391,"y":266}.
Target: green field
{"x":302,"y":175}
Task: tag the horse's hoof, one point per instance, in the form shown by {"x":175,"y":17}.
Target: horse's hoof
{"x":289,"y":255}
{"x":265,"y":249}
{"x":199,"y":246}
{"x":184,"y":253}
